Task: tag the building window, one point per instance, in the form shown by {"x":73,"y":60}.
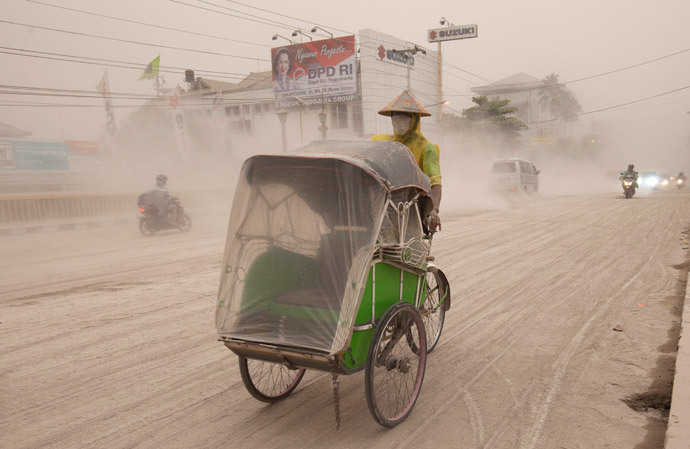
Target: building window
{"x":339,"y":115}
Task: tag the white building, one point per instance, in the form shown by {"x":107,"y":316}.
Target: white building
{"x":523,"y":92}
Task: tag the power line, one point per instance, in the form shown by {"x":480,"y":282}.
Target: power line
{"x":113,"y":63}
{"x":630,"y":67}
{"x":271,"y":22}
{"x":288,"y":17}
{"x":611,"y":107}
{"x":145,"y":24}
{"x":132,"y":42}
{"x":287,"y":26}
{"x":599,"y":74}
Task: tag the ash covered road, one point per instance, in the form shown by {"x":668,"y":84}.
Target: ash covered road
{"x":107,"y":338}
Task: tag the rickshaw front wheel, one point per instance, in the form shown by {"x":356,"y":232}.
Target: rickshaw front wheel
{"x":432,"y":310}
{"x":269,"y":382}
{"x":395,"y":368}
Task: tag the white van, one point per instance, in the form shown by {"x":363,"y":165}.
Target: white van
{"x":514,"y":175}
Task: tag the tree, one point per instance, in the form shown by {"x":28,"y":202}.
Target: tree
{"x":558,"y":100}
{"x":488,"y":120}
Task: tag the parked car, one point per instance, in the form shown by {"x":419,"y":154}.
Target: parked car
{"x":514,"y":175}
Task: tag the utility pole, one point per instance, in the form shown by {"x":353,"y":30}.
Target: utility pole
{"x":450,"y":32}
{"x":407,"y":55}
{"x":282,"y":115}
{"x":443,"y":21}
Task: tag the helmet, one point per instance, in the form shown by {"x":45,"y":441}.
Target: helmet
{"x":161,"y":180}
{"x":404,"y":102}
{"x":630,"y":166}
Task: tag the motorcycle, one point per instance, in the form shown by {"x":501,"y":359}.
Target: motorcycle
{"x":680,"y":183}
{"x":629,"y":187}
{"x":150,"y":222}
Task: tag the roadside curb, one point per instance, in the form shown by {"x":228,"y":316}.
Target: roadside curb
{"x":32,"y":228}
{"x":23,"y":228}
{"x":678,"y":430}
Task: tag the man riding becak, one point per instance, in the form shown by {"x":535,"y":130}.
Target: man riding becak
{"x":406,"y":113}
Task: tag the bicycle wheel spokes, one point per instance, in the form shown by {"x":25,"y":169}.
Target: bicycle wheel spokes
{"x":269,"y":382}
{"x":432,"y":311}
{"x":395,"y":368}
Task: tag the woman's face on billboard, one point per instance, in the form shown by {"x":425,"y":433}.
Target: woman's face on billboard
{"x":283,"y":64}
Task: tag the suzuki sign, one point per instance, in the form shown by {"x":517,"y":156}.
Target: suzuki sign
{"x":452,"y":33}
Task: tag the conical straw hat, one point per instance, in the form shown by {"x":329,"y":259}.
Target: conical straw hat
{"x":404,"y":102}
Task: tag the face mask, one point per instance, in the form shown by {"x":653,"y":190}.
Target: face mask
{"x":401,"y":123}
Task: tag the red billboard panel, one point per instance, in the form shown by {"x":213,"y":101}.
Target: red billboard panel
{"x":315,"y":71}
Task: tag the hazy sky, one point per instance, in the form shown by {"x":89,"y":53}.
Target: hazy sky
{"x":573,"y":39}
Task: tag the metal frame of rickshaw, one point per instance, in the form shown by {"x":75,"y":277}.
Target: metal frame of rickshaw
{"x":298,"y":357}
{"x":399,"y":256}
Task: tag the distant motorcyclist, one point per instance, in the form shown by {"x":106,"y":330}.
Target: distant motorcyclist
{"x":630,"y":173}
{"x":406,"y":113}
{"x":160,"y":198}
{"x":681,"y":180}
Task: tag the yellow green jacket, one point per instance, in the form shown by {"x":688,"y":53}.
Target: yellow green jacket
{"x":426,"y":153}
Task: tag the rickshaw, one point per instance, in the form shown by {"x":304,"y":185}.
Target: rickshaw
{"x":327,"y":267}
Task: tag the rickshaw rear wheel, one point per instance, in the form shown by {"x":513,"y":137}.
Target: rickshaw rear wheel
{"x":394,"y":370}
{"x":269,"y":382}
{"x":432,"y":311}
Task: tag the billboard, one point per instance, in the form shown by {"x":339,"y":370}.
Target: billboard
{"x":33,"y":155}
{"x":315,"y":72}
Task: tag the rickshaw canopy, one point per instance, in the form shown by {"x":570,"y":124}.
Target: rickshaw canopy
{"x":301,"y":238}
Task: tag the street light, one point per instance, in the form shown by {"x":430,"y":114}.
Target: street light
{"x":436,"y":104}
{"x":313,"y":30}
{"x":276,"y":36}
{"x":298,"y":31}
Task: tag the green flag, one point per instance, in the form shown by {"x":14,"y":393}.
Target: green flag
{"x":151,"y":70}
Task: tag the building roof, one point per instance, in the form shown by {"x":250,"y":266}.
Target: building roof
{"x":511,"y":83}
{"x":10,"y":131}
{"x":253,"y":81}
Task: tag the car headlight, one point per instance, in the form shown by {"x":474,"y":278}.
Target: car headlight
{"x":664,"y":182}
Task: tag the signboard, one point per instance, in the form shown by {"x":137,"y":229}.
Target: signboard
{"x":452,"y":33}
{"x":540,"y":140}
{"x":35,"y":155}
{"x":394,"y":56}
{"x":315,"y":72}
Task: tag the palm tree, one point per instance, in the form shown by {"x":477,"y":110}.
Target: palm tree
{"x":558,"y":100}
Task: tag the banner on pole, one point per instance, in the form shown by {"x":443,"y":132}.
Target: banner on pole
{"x":104,"y":88}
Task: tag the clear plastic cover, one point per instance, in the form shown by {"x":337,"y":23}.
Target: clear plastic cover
{"x":299,"y":245}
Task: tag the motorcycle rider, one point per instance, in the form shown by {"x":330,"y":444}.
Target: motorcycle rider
{"x":159,"y":197}
{"x":630,"y":173}
{"x":682,"y":177}
{"x":406,"y":113}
